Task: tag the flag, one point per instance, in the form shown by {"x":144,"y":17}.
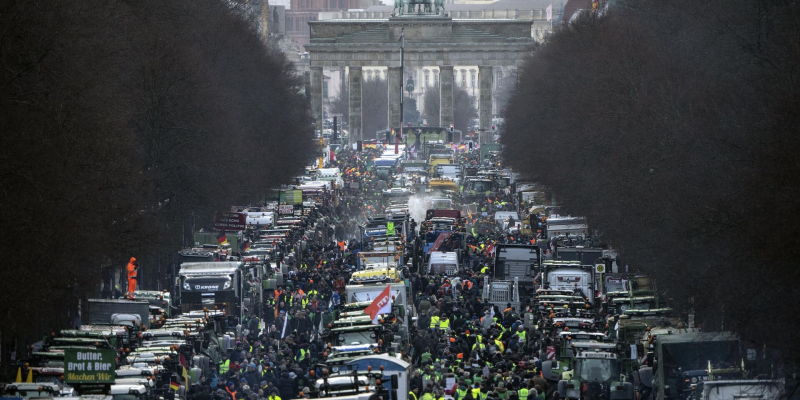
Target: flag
{"x":174,"y":385}
{"x":221,"y":238}
{"x":390,"y":228}
{"x":184,"y":375}
{"x":244,"y":246}
{"x":549,"y":11}
{"x":381,"y":305}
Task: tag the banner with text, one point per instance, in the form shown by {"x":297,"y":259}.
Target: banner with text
{"x":89,"y":366}
{"x":228,"y":221}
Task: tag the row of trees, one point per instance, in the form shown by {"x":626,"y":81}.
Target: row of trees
{"x":375,"y":103}
{"x":124,"y":125}
{"x":673,"y":126}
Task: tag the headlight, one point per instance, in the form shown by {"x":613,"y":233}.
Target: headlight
{"x":227,"y":285}
{"x":186,"y":286}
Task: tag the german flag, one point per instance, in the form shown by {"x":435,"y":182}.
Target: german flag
{"x":221,"y":238}
{"x":174,"y":385}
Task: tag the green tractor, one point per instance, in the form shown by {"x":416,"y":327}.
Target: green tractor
{"x":596,"y":374}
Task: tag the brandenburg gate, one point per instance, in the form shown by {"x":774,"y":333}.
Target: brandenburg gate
{"x":432,"y":39}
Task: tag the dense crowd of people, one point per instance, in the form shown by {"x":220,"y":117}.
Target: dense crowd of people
{"x":460,"y":345}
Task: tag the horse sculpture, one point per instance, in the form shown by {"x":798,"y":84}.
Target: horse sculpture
{"x":437,"y":4}
{"x":398,"y":5}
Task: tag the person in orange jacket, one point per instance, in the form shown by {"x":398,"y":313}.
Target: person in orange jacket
{"x":133,"y":266}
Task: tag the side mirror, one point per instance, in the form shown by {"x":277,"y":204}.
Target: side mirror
{"x":547,"y":371}
{"x":646,"y":376}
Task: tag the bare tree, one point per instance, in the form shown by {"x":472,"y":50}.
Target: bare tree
{"x":679,"y":152}
{"x":131,"y":122}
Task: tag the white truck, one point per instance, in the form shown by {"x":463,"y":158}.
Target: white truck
{"x":569,"y":275}
{"x":443,"y":263}
{"x":558,"y":226}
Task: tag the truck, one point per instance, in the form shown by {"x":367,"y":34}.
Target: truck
{"x":569,"y":275}
{"x":438,"y":159}
{"x":210,"y":285}
{"x":502,"y":293}
{"x":583,"y":255}
{"x":558,"y":226}
{"x":361,"y":293}
{"x":118,"y":312}
{"x":678,"y":354}
{"x":521,"y":261}
{"x":443,"y":263}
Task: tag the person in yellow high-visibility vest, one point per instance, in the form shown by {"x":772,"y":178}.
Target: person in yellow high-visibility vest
{"x":500,"y":345}
{"x":434,"y":323}
{"x":476,"y":391}
{"x":225,"y":364}
{"x":444,"y":323}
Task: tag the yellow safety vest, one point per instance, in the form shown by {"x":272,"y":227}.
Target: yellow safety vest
{"x":302,"y":356}
{"x":413,"y":395}
{"x":224,"y":367}
{"x":444,"y":324}
{"x":523,"y":393}
{"x":427,"y":396}
{"x":434,"y":321}
{"x":476,"y":393}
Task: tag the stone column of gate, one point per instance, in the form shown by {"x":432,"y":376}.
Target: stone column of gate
{"x":485,"y":78}
{"x":394,"y":79}
{"x":446,"y":78}
{"x":316,"y":97}
{"x":355,"y":109}
{"x":307,"y":83}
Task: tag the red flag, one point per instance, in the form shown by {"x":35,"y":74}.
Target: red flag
{"x":490,"y":249}
{"x":381,"y":305}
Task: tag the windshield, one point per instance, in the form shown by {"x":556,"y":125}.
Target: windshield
{"x":358,"y":337}
{"x":481,"y":186}
{"x":596,"y":370}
